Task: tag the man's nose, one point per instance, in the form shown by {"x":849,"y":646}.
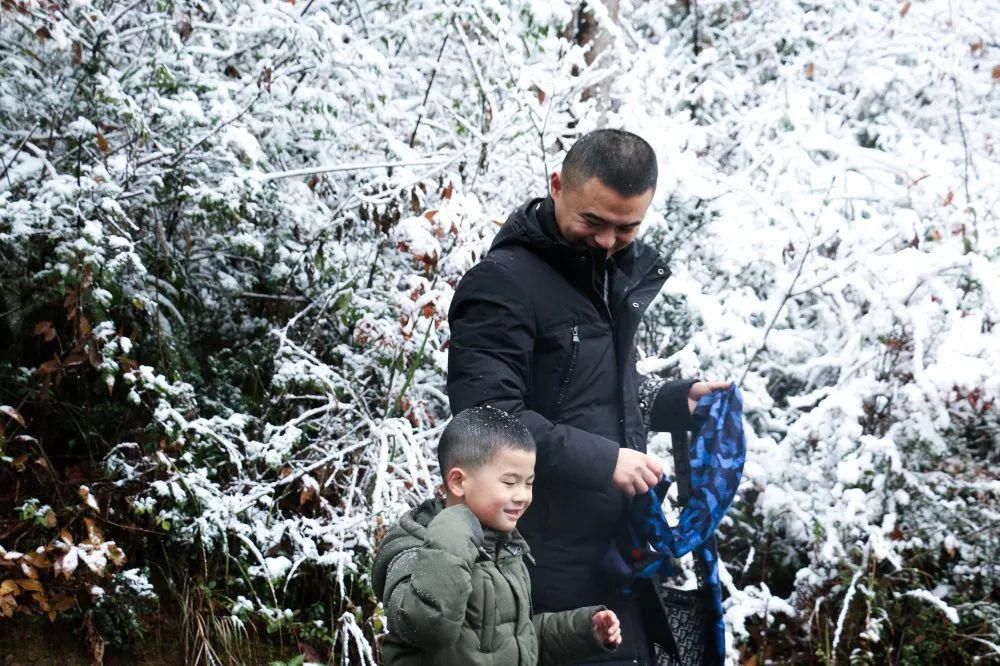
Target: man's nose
{"x":605,"y":239}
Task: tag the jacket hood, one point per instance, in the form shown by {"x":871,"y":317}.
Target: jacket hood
{"x":407,"y":533}
{"x":533,"y":224}
{"x":411,"y":529}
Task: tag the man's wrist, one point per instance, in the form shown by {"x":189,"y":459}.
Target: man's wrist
{"x":670,"y":411}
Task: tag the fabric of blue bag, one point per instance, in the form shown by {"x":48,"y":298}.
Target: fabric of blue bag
{"x":650,"y":545}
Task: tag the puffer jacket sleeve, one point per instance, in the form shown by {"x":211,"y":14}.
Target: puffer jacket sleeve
{"x":568,"y":636}
{"x":664,"y":404}
{"x":493,"y":333}
{"x":427,"y":588}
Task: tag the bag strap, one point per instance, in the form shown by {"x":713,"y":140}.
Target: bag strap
{"x":682,"y":465}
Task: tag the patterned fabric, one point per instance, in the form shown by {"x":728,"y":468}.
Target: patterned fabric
{"x":651,"y":545}
{"x":648,"y":389}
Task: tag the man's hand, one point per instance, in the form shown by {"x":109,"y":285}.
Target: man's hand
{"x":635,"y":472}
{"x":607,"y":629}
{"x":700,"y":389}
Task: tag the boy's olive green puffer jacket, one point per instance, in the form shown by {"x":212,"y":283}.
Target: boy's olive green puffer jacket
{"x":456,"y":594}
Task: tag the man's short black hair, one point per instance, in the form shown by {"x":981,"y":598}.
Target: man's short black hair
{"x":623,"y":161}
{"x":477,"y":434}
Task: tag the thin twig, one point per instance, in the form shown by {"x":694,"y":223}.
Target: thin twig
{"x":788,"y":293}
{"x":218,"y":128}
{"x":356,"y":166}
{"x":423,"y":104}
{"x":968,"y":161}
{"x":7,"y":166}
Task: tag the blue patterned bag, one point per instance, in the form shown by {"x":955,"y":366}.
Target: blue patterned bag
{"x":649,"y":546}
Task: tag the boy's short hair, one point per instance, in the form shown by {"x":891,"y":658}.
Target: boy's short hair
{"x":476,"y":434}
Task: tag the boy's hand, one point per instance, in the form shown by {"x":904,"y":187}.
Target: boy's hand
{"x":607,"y":629}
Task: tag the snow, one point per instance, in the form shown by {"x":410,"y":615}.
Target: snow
{"x":933,"y":600}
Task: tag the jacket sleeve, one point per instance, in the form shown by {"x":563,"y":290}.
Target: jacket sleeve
{"x":568,"y":636}
{"x":428,"y":587}
{"x":493,"y":333}
{"x":664,"y":404}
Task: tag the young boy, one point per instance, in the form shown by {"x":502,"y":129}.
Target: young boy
{"x":451,"y":575}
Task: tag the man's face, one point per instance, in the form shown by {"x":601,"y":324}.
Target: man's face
{"x":595,"y":215}
{"x":499,"y":492}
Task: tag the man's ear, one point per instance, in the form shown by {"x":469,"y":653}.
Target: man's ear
{"x":454,"y":482}
{"x":555,"y":184}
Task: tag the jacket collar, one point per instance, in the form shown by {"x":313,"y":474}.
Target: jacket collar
{"x":533,"y":224}
{"x":496,"y":545}
{"x":502,"y":545}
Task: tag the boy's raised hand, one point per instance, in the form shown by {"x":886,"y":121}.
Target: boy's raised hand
{"x":607,"y":629}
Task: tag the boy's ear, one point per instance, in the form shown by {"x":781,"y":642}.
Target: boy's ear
{"x":454,"y":482}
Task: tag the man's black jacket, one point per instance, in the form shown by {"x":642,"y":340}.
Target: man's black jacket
{"x":532,"y":334}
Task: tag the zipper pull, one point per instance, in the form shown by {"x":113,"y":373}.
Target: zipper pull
{"x":576,"y":334}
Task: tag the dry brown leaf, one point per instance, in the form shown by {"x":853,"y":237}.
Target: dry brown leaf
{"x":45,"y":329}
{"x":9,"y":587}
{"x":996,"y":72}
{"x":94,"y":639}
{"x":85,"y":327}
{"x":7,"y":605}
{"x":905,"y":9}
{"x":116,"y":554}
{"x":67,"y":563}
{"x":12,"y":413}
{"x":49,"y":367}
{"x":66,"y":536}
{"x":62,"y":602}
{"x":307,"y":495}
{"x":87,"y":498}
{"x":19,"y":462}
{"x":102,"y":143}
{"x":29,"y":584}
{"x":37,"y":560}
{"x":41,"y":600}
{"x":94,"y":534}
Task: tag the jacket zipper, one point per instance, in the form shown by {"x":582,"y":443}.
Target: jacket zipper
{"x":572,"y":365}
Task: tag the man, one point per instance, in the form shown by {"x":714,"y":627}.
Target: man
{"x":543,"y":328}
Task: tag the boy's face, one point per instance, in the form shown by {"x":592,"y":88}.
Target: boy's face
{"x":499,"y":492}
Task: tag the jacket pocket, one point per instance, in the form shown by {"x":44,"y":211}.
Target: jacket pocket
{"x":489,"y":615}
{"x":568,"y":375}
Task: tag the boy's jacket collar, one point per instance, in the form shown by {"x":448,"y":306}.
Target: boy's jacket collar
{"x":496,"y":545}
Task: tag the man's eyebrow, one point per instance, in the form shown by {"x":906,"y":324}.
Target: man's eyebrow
{"x":600,"y":220}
